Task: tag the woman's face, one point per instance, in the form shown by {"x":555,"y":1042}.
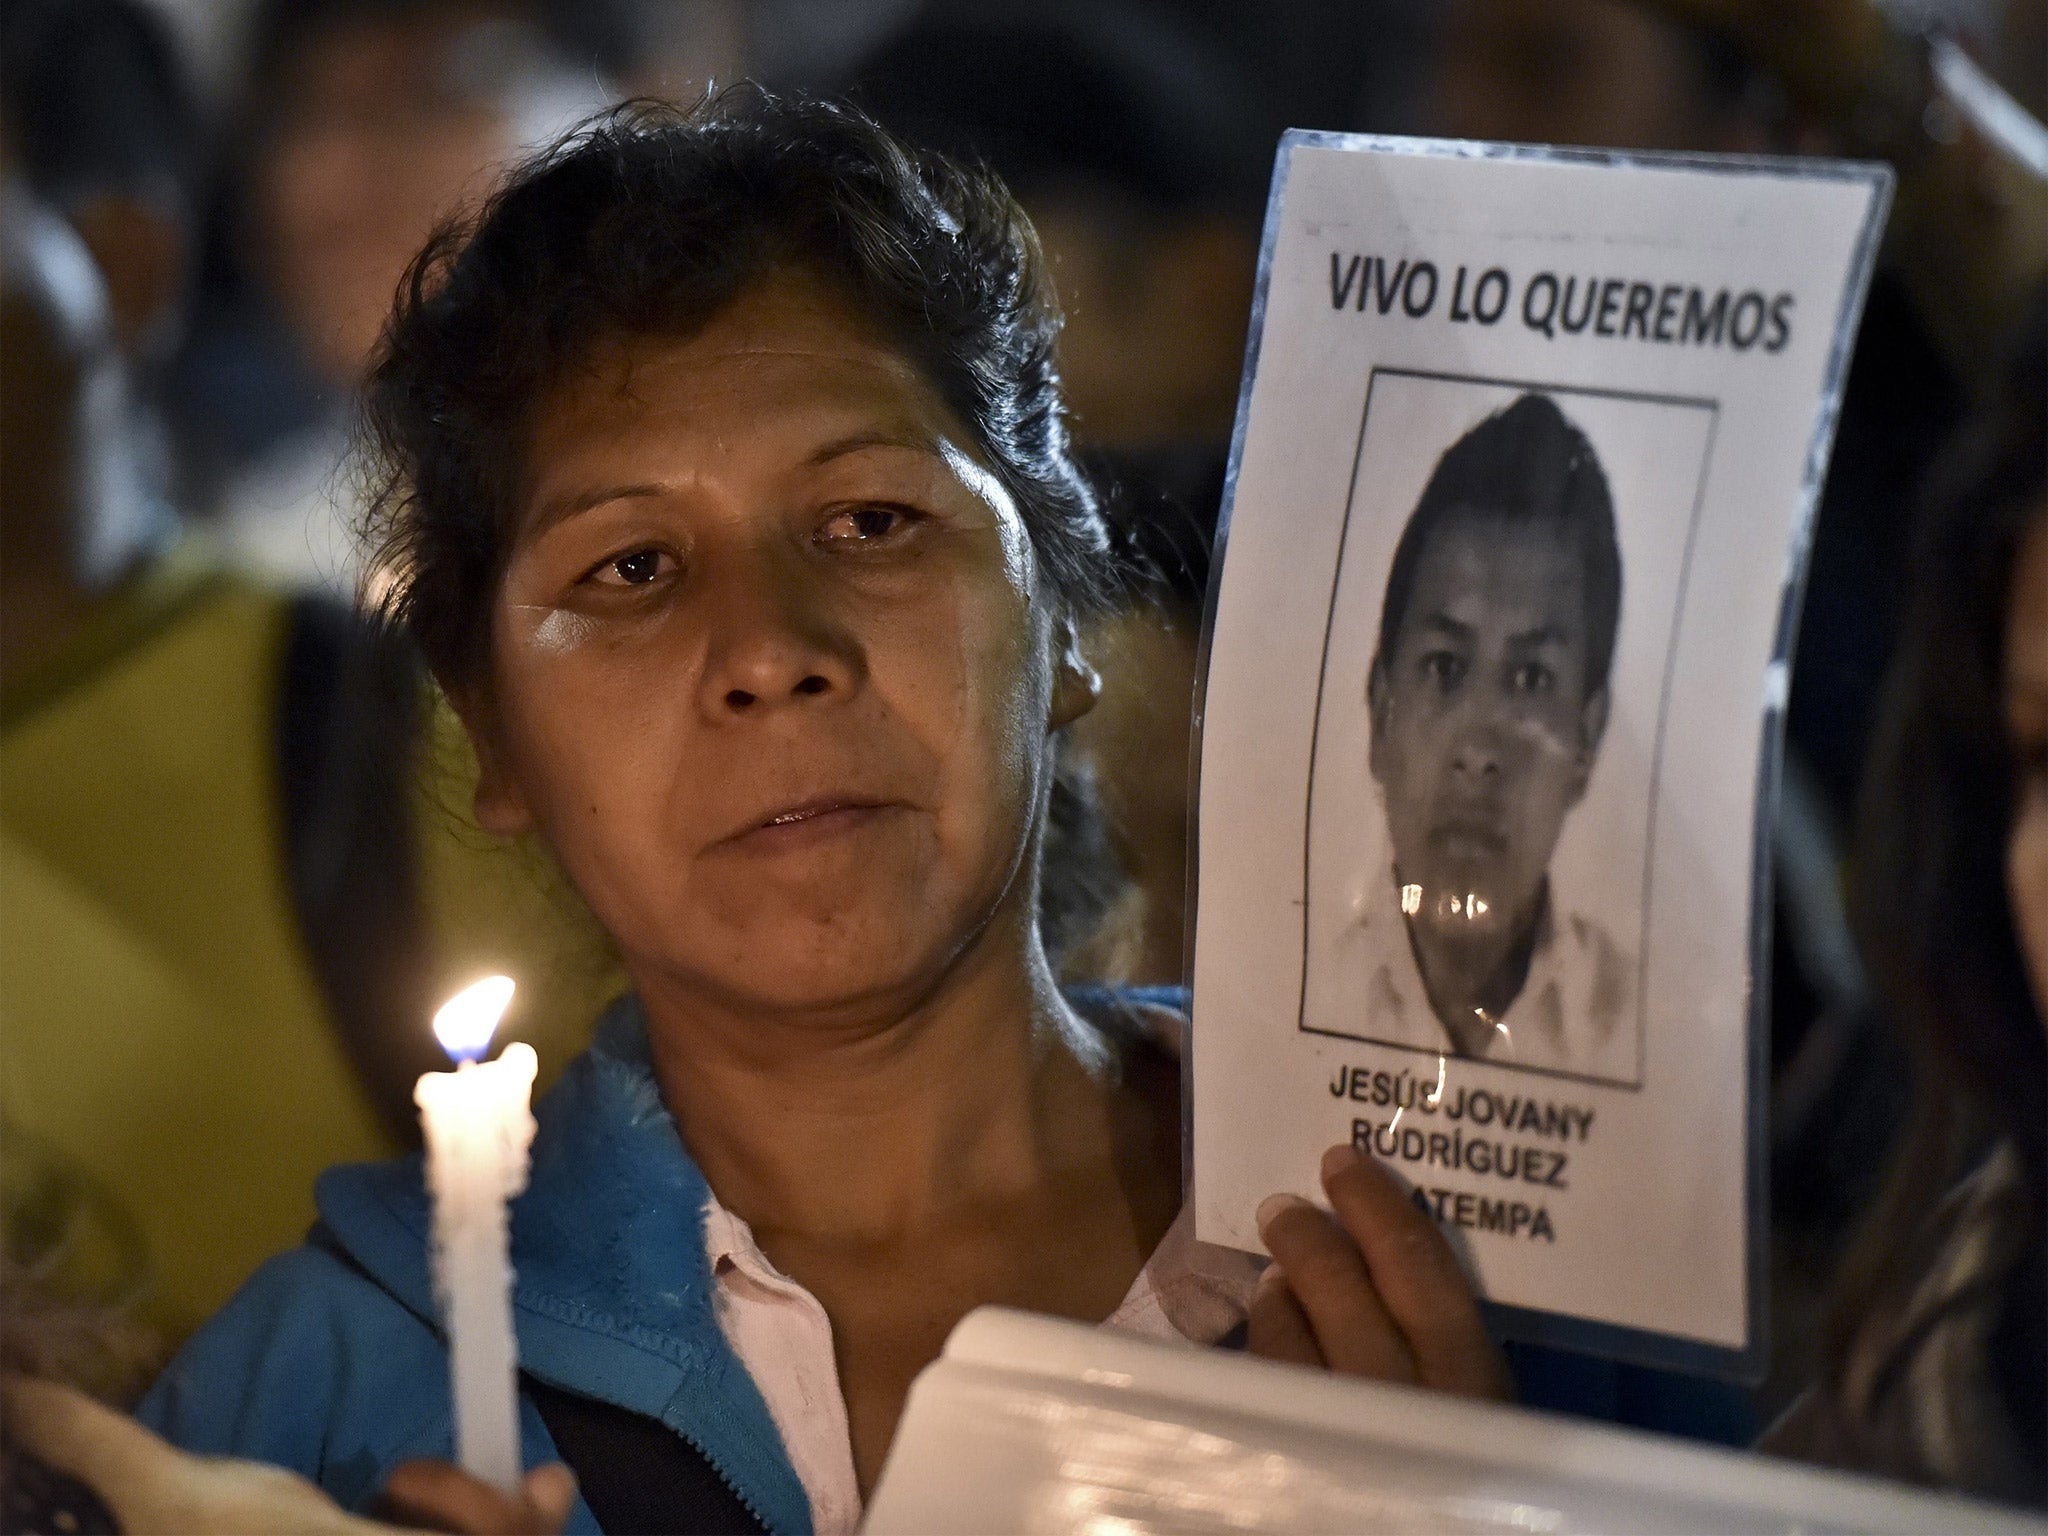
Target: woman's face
{"x":771,"y":670}
{"x":2026,"y":718}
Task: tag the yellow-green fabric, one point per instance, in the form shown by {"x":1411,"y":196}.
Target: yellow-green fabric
{"x":159,"y":1025}
{"x":163,"y":1041}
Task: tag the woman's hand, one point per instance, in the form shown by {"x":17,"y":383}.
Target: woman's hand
{"x":1373,"y":1291}
{"x":436,"y":1496}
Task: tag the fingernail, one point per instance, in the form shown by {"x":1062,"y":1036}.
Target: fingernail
{"x":1272,"y":1206}
{"x":1338,"y":1158}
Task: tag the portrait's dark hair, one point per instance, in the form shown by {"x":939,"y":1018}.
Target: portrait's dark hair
{"x":1931,"y":906}
{"x":649,"y":222}
{"x":1523,"y":464}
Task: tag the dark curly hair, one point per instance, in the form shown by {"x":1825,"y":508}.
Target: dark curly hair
{"x":651,"y":220}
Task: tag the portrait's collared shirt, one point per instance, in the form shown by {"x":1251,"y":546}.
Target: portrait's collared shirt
{"x":1575,"y":1012}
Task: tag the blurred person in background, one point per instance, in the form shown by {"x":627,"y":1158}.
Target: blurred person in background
{"x":366,"y":122}
{"x":227,"y":905}
{"x":1936,"y":1366}
{"x":140,"y":735}
{"x":1138,"y":149}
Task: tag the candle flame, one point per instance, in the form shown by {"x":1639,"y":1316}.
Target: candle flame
{"x":467,"y":1021}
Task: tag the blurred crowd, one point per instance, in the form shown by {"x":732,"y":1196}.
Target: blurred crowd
{"x":237,"y":864}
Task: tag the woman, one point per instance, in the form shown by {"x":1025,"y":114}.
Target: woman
{"x":730,"y":503}
{"x":1937,"y":1368}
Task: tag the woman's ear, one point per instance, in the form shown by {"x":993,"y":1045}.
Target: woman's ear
{"x":499,"y":807}
{"x":1075,"y":685}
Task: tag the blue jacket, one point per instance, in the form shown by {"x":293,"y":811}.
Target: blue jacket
{"x":330,"y":1361}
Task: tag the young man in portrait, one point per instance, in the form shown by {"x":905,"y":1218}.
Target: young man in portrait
{"x":1488,"y":693}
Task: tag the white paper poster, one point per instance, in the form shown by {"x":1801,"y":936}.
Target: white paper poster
{"x":1522,"y":481}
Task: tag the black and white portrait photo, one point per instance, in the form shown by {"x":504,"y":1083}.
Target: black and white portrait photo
{"x":1492,"y":642}
{"x":1490,"y":710}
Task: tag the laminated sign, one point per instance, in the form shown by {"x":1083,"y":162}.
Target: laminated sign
{"x":1497,"y":660}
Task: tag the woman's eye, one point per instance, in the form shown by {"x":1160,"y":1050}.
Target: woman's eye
{"x":1533,"y":677}
{"x":633,"y":570}
{"x":863,"y":525}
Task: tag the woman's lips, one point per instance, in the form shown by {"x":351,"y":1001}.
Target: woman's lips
{"x":814,"y":821}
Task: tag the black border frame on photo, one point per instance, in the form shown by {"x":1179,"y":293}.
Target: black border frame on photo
{"x":1699,"y":495}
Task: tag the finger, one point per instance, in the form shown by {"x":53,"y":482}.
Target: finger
{"x":1329,"y":1278}
{"x":1275,"y":1326}
{"x":436,"y":1496}
{"x":1416,"y":1276}
{"x":550,"y":1493}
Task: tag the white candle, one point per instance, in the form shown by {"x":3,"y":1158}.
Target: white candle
{"x":478,"y":1129}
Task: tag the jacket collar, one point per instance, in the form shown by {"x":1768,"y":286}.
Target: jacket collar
{"x":613,"y":1296}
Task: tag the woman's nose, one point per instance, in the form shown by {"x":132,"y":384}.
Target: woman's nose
{"x":773,"y":643}
{"x":809,"y":685}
